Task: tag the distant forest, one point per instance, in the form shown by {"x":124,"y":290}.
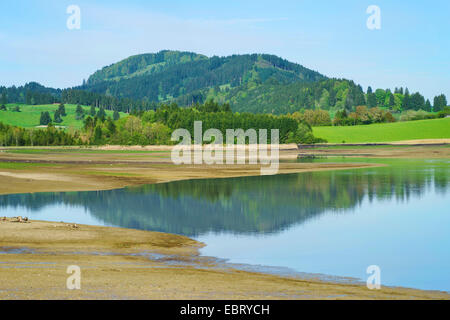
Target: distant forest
{"x":255,"y":83}
{"x":155,"y":127}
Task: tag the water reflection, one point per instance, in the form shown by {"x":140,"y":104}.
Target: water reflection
{"x":268,"y":204}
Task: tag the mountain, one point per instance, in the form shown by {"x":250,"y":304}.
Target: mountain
{"x":256,"y":83}
{"x":187,"y":76}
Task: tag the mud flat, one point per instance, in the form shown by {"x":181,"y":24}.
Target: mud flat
{"x":27,"y":170}
{"x":130,"y":264}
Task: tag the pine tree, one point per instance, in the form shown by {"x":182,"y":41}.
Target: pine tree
{"x":79,"y":109}
{"x":101,"y":114}
{"x":79,"y":113}
{"x":45,"y":118}
{"x":371,"y":100}
{"x":406,"y":103}
{"x":92,"y":112}
{"x":4,"y":98}
{"x":57,"y":117}
{"x":428,"y":106}
{"x":116,"y":115}
{"x":62,"y":110}
{"x":440,"y":102}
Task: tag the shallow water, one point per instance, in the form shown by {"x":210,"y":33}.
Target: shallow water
{"x":335,"y":222}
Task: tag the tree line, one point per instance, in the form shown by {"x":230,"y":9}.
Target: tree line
{"x":51,"y":136}
{"x":154,"y":127}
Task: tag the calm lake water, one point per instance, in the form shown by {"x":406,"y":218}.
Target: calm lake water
{"x":335,"y":223}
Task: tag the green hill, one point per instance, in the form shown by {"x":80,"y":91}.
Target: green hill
{"x":171,"y":74}
{"x":255,"y":83}
{"x":386,"y":132}
{"x":29,"y":115}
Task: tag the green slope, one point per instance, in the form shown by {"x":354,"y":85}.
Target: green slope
{"x":29,"y":116}
{"x":386,"y":132}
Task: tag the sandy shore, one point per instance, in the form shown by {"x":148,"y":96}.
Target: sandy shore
{"x":130,"y":264}
{"x":73,"y":169}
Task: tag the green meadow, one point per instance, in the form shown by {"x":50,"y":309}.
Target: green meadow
{"x":29,"y":115}
{"x":386,"y":132}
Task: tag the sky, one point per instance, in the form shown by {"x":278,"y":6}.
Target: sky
{"x":411,"y":48}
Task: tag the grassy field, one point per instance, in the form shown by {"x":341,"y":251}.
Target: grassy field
{"x":30,"y":115}
{"x":386,"y":132}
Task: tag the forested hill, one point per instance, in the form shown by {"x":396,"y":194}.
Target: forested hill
{"x":256,"y":83}
{"x":169,"y":75}
{"x":278,"y":98}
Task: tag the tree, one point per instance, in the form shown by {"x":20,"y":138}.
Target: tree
{"x":89,"y":123}
{"x":45,"y":118}
{"x":97,"y":135}
{"x":62,"y":110}
{"x":405,"y":103}
{"x":371,"y":100}
{"x":391,"y":100}
{"x":376,"y":115}
{"x":428,"y":106}
{"x":101,"y":114}
{"x":381,"y":97}
{"x":440,"y":102}
{"x":324,"y":102}
{"x":388,"y":117}
{"x":4,"y":98}
{"x":28,"y":98}
{"x":57,"y":116}
{"x":92,"y":112}
{"x":417,"y":101}
{"x":79,"y":109}
{"x":79,"y":113}
{"x":116,"y":115}
{"x":362,"y":113}
{"x":369,"y":90}
{"x":110,"y":125}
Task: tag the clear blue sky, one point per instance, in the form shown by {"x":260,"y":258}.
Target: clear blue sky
{"x":411,"y":49}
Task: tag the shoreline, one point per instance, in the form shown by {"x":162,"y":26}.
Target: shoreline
{"x":56,"y":169}
{"x":119,"y":263}
{"x":169,"y":264}
{"x":52,"y":170}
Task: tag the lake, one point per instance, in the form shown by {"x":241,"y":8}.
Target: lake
{"x":330,"y":222}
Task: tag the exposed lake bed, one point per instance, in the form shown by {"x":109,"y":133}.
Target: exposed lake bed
{"x":322,"y":222}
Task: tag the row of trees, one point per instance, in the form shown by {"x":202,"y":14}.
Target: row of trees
{"x":257,"y":96}
{"x":17,"y":136}
{"x":155,"y":127}
{"x":106,"y":102}
{"x":402,"y":100}
{"x":59,"y":113}
{"x":32,"y":94}
{"x":362,"y":115}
